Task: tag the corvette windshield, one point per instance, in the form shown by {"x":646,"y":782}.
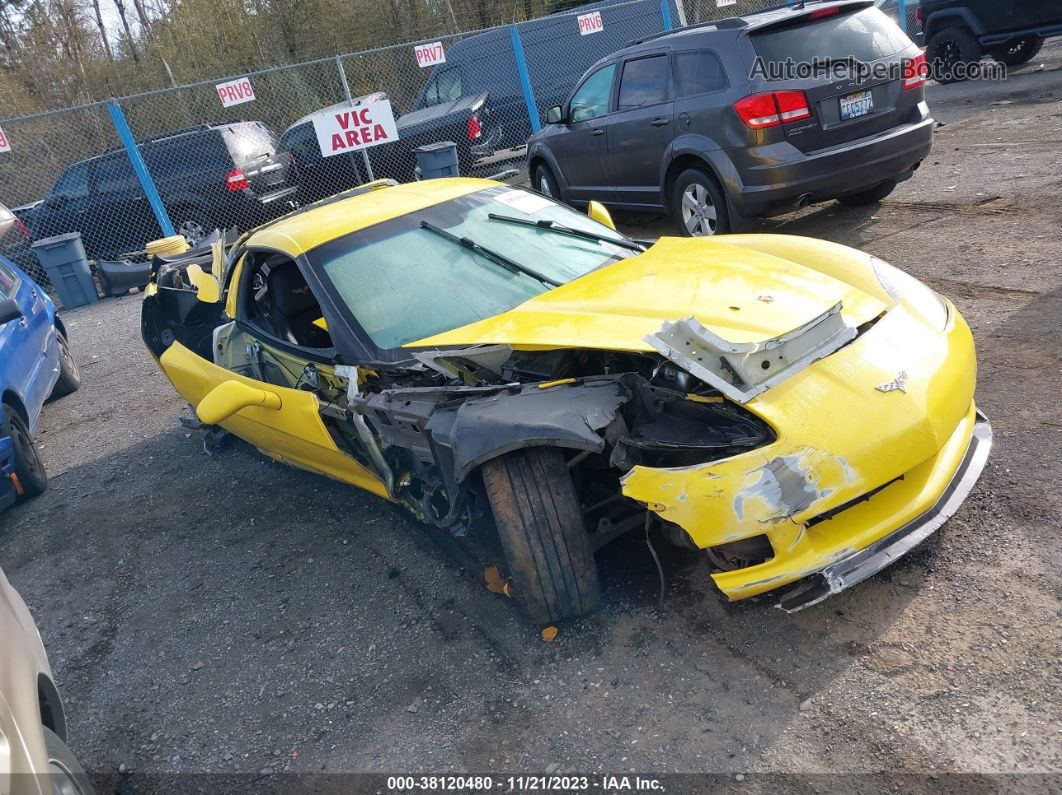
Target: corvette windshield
{"x":403,"y":280}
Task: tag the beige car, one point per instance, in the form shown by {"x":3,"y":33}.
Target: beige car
{"x":34,"y":757}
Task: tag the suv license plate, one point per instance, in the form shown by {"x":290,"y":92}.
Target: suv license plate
{"x":855,"y":105}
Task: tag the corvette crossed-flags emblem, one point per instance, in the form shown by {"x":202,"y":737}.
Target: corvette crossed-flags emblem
{"x":897,"y":383}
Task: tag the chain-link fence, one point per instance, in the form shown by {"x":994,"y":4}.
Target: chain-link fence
{"x":237,"y":151}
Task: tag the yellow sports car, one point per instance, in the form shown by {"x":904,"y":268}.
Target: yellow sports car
{"x":494,"y":360}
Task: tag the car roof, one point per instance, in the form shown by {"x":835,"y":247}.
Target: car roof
{"x":312,"y":226}
{"x":733,"y":26}
{"x":165,"y":137}
{"x":330,"y":108}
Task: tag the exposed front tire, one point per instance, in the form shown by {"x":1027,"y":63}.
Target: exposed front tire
{"x":698,"y":204}
{"x":540,"y":525}
{"x":949,"y":48}
{"x":29,"y":468}
{"x":68,"y":777}
{"x":870,"y":196}
{"x":69,"y":375}
{"x":545,"y":183}
{"x":1015,"y":53}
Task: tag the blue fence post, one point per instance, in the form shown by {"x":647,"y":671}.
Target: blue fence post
{"x":902,"y":9}
{"x":665,"y":13}
{"x":525,"y":78}
{"x":126,"y":137}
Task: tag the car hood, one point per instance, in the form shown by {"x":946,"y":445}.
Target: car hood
{"x":741,"y":294}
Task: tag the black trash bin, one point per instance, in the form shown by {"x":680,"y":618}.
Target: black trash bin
{"x":63,"y":259}
{"x":437,"y":160}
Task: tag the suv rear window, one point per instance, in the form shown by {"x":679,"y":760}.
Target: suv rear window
{"x":867,"y":35}
{"x":247,"y":142}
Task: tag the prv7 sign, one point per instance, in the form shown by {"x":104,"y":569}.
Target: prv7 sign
{"x":357,"y":127}
{"x":235,"y":92}
{"x":429,"y":54}
{"x":590,"y":23}
{"x":5,"y":145}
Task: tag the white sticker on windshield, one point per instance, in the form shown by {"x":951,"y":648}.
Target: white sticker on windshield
{"x":523,"y":201}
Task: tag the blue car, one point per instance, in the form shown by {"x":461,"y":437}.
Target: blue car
{"x":35,"y":364}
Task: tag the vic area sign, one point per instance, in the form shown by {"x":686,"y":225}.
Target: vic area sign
{"x":235,"y":92}
{"x":358,"y":127}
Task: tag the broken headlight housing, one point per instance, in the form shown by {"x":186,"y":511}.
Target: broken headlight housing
{"x":907,"y":290}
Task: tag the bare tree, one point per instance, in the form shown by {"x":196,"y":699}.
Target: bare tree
{"x":128,"y":31}
{"x":103,"y":30}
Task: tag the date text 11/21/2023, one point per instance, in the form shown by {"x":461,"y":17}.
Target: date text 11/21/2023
{"x":524,"y":783}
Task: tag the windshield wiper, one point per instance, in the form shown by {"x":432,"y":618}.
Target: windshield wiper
{"x":501,"y":259}
{"x":560,"y":229}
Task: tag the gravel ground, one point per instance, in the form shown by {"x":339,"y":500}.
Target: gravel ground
{"x":225,"y":614}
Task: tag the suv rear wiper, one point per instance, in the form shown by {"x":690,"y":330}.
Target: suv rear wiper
{"x":560,"y":229}
{"x":501,"y":259}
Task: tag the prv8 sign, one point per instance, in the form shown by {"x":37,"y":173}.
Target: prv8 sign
{"x":235,"y":92}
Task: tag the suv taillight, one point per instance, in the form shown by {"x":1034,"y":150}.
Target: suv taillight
{"x":474,"y":130}
{"x":771,"y":108}
{"x":915,"y":71}
{"x":918,"y":15}
{"x":236,"y":180}
{"x":22,"y":228}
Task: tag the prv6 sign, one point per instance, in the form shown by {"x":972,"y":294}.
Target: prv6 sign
{"x":235,"y":92}
{"x":429,"y":54}
{"x":590,"y":23}
{"x":357,"y":127}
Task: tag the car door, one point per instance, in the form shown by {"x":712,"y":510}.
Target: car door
{"x":288,"y":423}
{"x":641,"y":128}
{"x":581,"y":150}
{"x":123,"y":219}
{"x":28,"y":346}
{"x":65,"y":208}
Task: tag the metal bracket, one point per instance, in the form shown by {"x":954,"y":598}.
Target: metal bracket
{"x":743,"y":370}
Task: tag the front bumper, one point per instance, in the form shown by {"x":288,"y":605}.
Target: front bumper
{"x":854,"y":569}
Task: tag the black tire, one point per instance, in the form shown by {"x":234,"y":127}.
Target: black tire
{"x":700,"y":185}
{"x":68,"y":777}
{"x":545,"y":183}
{"x":546,"y":545}
{"x":193,"y":224}
{"x":28,"y":465}
{"x":870,"y":196}
{"x":69,"y":375}
{"x":947,"y":49}
{"x":1015,"y":53}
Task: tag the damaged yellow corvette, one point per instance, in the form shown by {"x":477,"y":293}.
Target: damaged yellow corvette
{"x":497,"y":362}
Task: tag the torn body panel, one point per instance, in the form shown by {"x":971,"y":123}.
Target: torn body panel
{"x":743,"y":370}
{"x":901,"y":448}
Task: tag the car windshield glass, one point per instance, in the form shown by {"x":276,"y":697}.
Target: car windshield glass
{"x":867,"y":35}
{"x":403,"y":282}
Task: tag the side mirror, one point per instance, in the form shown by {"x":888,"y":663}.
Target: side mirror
{"x":555,"y":115}
{"x":597,"y":211}
{"x":9,"y":310}
{"x":228,"y":397}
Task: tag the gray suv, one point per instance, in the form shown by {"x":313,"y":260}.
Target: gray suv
{"x":743,"y":117}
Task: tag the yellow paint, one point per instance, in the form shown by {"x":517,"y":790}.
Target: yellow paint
{"x":232,"y":285}
{"x":615,"y":307}
{"x":294,"y":433}
{"x":206,"y":286}
{"x":231,"y":396}
{"x":704,"y":398}
{"x":600,"y":213}
{"x":321,"y":323}
{"x":174,"y":244}
{"x":558,"y":382}
{"x":921,"y":434}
